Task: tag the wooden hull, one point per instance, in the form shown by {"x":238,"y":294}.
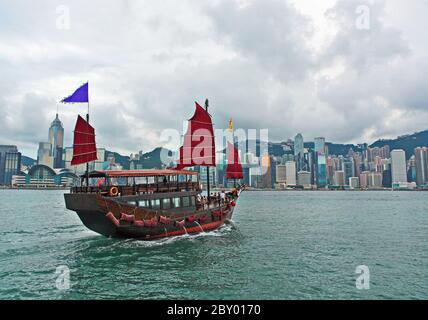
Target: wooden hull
{"x":93,"y":210}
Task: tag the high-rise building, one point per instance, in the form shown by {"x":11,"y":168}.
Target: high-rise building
{"x":51,"y":153}
{"x":354,"y":182}
{"x":375,"y":180}
{"x":56,"y":139}
{"x":387,"y":178}
{"x":320,"y":145}
{"x":349,"y":168}
{"x":281,"y":173}
{"x":421,"y":164}
{"x":339,"y":178}
{"x":44,"y":155}
{"x":266,"y":172}
{"x":364,"y":179}
{"x":304,"y":178}
{"x":10,"y":163}
{"x":290,"y":172}
{"x":321,"y":171}
{"x":398,"y":168}
{"x":298,"y":145}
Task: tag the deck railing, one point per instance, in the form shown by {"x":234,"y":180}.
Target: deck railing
{"x":130,"y":190}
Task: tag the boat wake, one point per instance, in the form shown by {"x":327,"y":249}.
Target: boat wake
{"x":220,"y":232}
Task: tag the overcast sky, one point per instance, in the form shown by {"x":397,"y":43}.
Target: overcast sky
{"x":314,"y":67}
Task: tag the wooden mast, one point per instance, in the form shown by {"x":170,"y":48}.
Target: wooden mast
{"x":208,"y":167}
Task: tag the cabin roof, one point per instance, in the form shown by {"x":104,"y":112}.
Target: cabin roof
{"x":139,"y":173}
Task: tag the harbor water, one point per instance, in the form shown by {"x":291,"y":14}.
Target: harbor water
{"x":280,"y":245}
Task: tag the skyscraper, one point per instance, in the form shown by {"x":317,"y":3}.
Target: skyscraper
{"x":421,"y":161}
{"x":299,"y":151}
{"x":398,"y":168}
{"x":10,"y":163}
{"x":290,"y":173}
{"x":320,"y":145}
{"x":56,"y":139}
{"x":51,"y":153}
{"x":266,"y":172}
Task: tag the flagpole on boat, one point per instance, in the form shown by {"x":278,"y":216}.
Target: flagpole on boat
{"x":87,"y":163}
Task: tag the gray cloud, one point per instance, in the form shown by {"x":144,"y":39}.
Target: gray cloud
{"x":257,"y":61}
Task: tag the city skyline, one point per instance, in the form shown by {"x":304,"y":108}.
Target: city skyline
{"x":298,"y":165}
{"x":350,"y":70}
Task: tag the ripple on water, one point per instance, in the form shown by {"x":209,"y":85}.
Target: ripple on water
{"x":281,"y":245}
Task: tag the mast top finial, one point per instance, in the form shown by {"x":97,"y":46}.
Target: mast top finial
{"x":207,"y":104}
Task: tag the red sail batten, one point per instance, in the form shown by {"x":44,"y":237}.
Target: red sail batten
{"x":84,"y":147}
{"x":234,"y":167}
{"x":198,"y":144}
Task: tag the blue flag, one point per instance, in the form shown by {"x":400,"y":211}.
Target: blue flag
{"x":80,"y":95}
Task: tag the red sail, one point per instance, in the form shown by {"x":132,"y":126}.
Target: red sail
{"x":234,"y":167}
{"x":198,"y":145}
{"x":84,"y":148}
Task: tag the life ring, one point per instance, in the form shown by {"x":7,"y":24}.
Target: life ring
{"x":114,"y":191}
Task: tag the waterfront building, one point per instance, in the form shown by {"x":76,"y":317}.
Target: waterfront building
{"x":304,"y":178}
{"x":42,"y":176}
{"x":281,"y":173}
{"x":364,"y":179}
{"x":387,"y":178}
{"x":421,"y":165}
{"x":398,"y":169}
{"x":10,"y":163}
{"x":354,"y":182}
{"x":357,"y":163}
{"x":349,"y":168}
{"x":321,"y":171}
{"x":290,"y":169}
{"x":375,"y":180}
{"x":266,"y":172}
{"x":339,"y":178}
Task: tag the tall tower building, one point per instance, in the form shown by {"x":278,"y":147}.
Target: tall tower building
{"x":299,"y":151}
{"x":421,"y":160}
{"x":320,"y":145}
{"x":10,"y":163}
{"x":298,"y":145}
{"x":321,"y":167}
{"x":56,"y":139}
{"x":51,"y":153}
{"x":398,"y":168}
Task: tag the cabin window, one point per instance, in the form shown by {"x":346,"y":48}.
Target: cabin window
{"x":192,"y":201}
{"x":155,"y":204}
{"x":176,"y":202}
{"x":166,"y":203}
{"x":140,"y":180}
{"x":186,"y":202}
{"x":132,"y":203}
{"x":144,"y":203}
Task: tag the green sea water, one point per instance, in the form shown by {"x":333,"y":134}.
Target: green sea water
{"x":281,"y":245}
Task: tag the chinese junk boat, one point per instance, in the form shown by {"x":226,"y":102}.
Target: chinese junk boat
{"x":151,"y":204}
